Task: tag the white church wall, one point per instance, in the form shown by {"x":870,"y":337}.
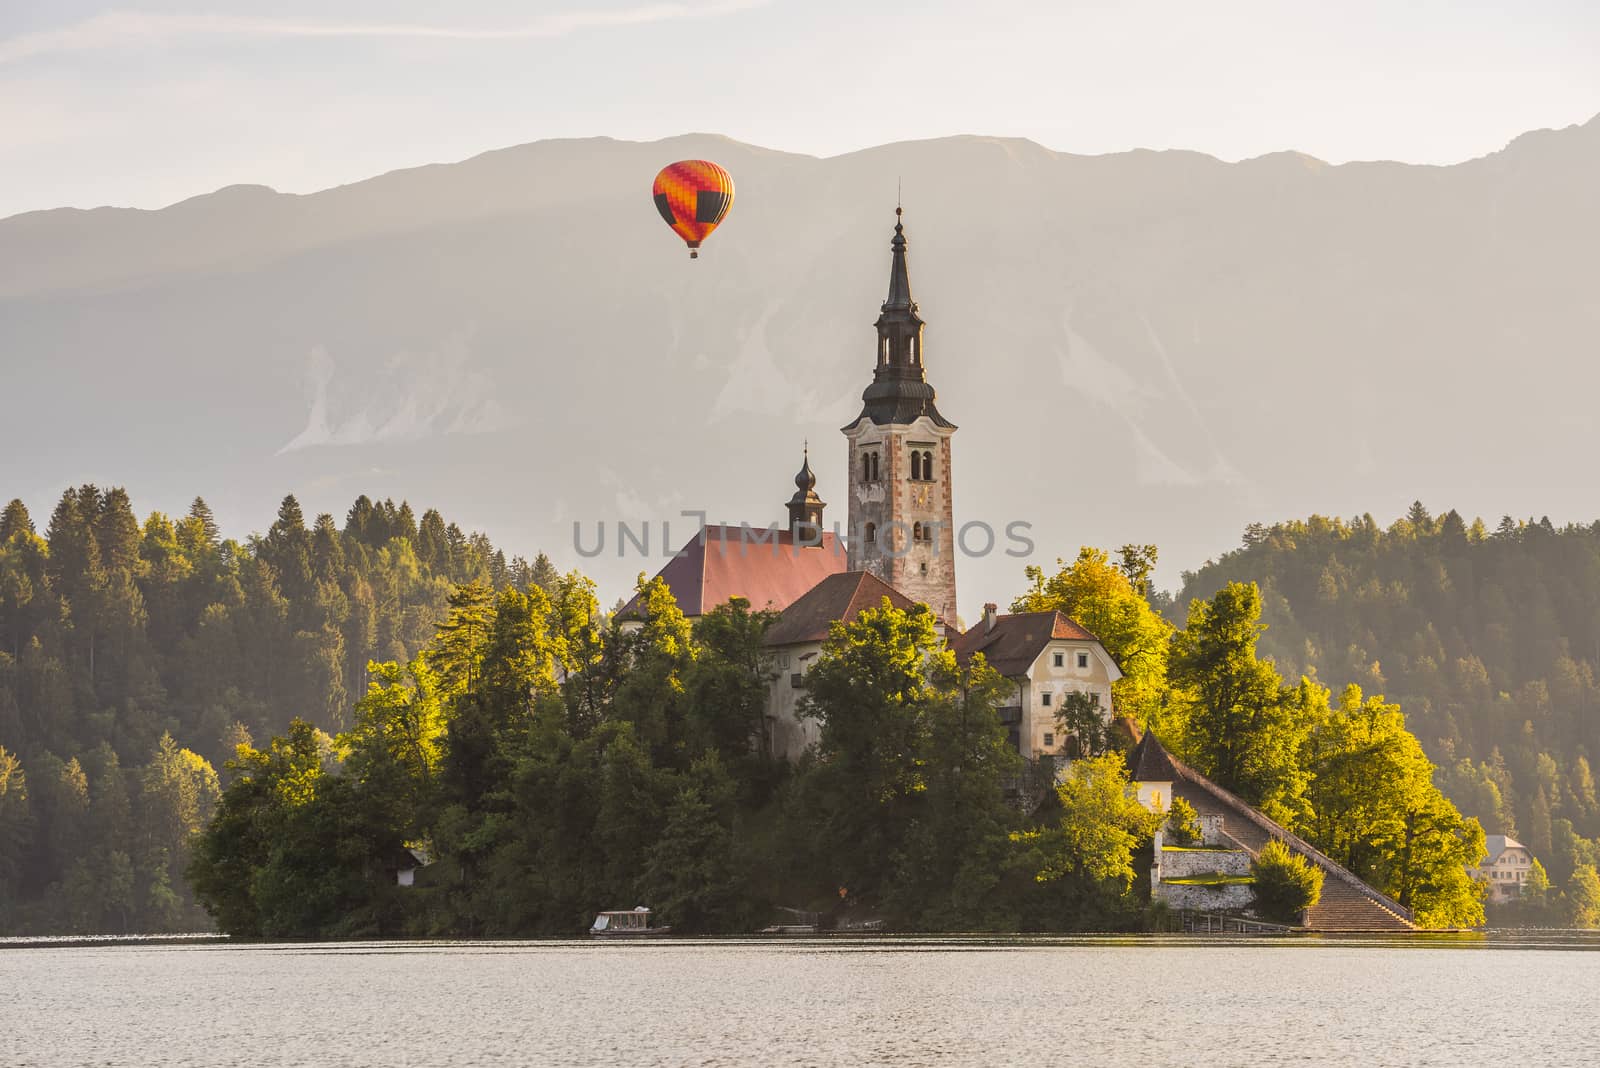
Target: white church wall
{"x":789,"y":734}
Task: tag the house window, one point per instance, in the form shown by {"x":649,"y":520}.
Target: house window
{"x":1155,"y":798}
{"x":1049,"y":739}
{"x":1061,"y":659}
{"x":1044,"y":698}
{"x":1083,"y":660}
{"x":797,"y":681}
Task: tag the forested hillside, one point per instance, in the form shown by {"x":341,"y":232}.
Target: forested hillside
{"x":1488,"y":638}
{"x":135,"y":657}
{"x":395,"y":680}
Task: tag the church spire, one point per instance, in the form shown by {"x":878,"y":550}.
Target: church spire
{"x":899,"y":277}
{"x":805,"y":507}
{"x":899,"y":392}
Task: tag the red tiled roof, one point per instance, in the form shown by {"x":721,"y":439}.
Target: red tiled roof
{"x":1016,"y":640}
{"x":839,"y":598}
{"x":722,"y":562}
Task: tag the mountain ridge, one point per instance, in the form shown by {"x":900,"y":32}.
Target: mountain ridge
{"x":1142,"y":346}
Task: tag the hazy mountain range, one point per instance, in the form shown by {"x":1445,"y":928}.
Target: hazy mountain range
{"x":1150,"y":346}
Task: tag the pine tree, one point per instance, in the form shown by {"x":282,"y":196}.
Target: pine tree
{"x":432,"y":547}
{"x":543,"y":574}
{"x":206,"y":522}
{"x":359,"y":520}
{"x":117,"y":531}
{"x":327,"y":550}
{"x":405,"y":523}
{"x":14,"y":520}
{"x":457,"y":651}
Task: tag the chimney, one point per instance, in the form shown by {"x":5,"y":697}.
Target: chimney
{"x":989,"y":611}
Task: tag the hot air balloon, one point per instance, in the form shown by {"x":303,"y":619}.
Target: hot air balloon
{"x":693,"y":196}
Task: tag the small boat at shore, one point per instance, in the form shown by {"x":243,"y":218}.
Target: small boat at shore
{"x":625,"y":923}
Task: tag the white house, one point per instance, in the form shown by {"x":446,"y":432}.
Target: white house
{"x":1045,"y":656}
{"x":1505,"y":868}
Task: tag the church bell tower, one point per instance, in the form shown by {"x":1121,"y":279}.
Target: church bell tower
{"x":901,"y":517}
{"x":805,"y":507}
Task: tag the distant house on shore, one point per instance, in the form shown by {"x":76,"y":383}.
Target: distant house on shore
{"x":1235,"y":832}
{"x":1505,"y":868}
{"x":405,"y":864}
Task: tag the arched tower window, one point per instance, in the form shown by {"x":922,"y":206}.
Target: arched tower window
{"x":872,"y":533}
{"x":916,"y":532}
{"x":916,"y":465}
{"x":874,"y":467}
{"x":927,"y":466}
{"x":866,"y":467}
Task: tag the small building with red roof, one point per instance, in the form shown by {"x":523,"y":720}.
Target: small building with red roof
{"x":796,"y":639}
{"x":1046,"y":656}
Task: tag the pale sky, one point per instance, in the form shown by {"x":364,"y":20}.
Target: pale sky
{"x":146,"y":103}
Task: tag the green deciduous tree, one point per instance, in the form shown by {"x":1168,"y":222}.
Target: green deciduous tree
{"x":1285,"y":884}
{"x":657,"y":655}
{"x":1372,"y":806}
{"x":726,"y":690}
{"x":1583,"y":897}
{"x":1183,"y":823}
{"x":1107,"y":599}
{"x":1087,"y":851}
{"x":1239,"y":726}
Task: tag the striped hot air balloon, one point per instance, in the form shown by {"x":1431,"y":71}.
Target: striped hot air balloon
{"x":693,"y":196}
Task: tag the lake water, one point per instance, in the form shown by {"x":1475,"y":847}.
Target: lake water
{"x":1144,"y":1002}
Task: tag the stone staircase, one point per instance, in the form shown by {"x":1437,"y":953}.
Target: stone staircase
{"x":1344,"y":908}
{"x":1346,"y":904}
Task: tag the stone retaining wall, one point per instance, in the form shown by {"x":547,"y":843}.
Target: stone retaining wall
{"x":1184,"y":863}
{"x":1225,"y":898}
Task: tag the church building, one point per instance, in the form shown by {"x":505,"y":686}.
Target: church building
{"x":898,"y":543}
